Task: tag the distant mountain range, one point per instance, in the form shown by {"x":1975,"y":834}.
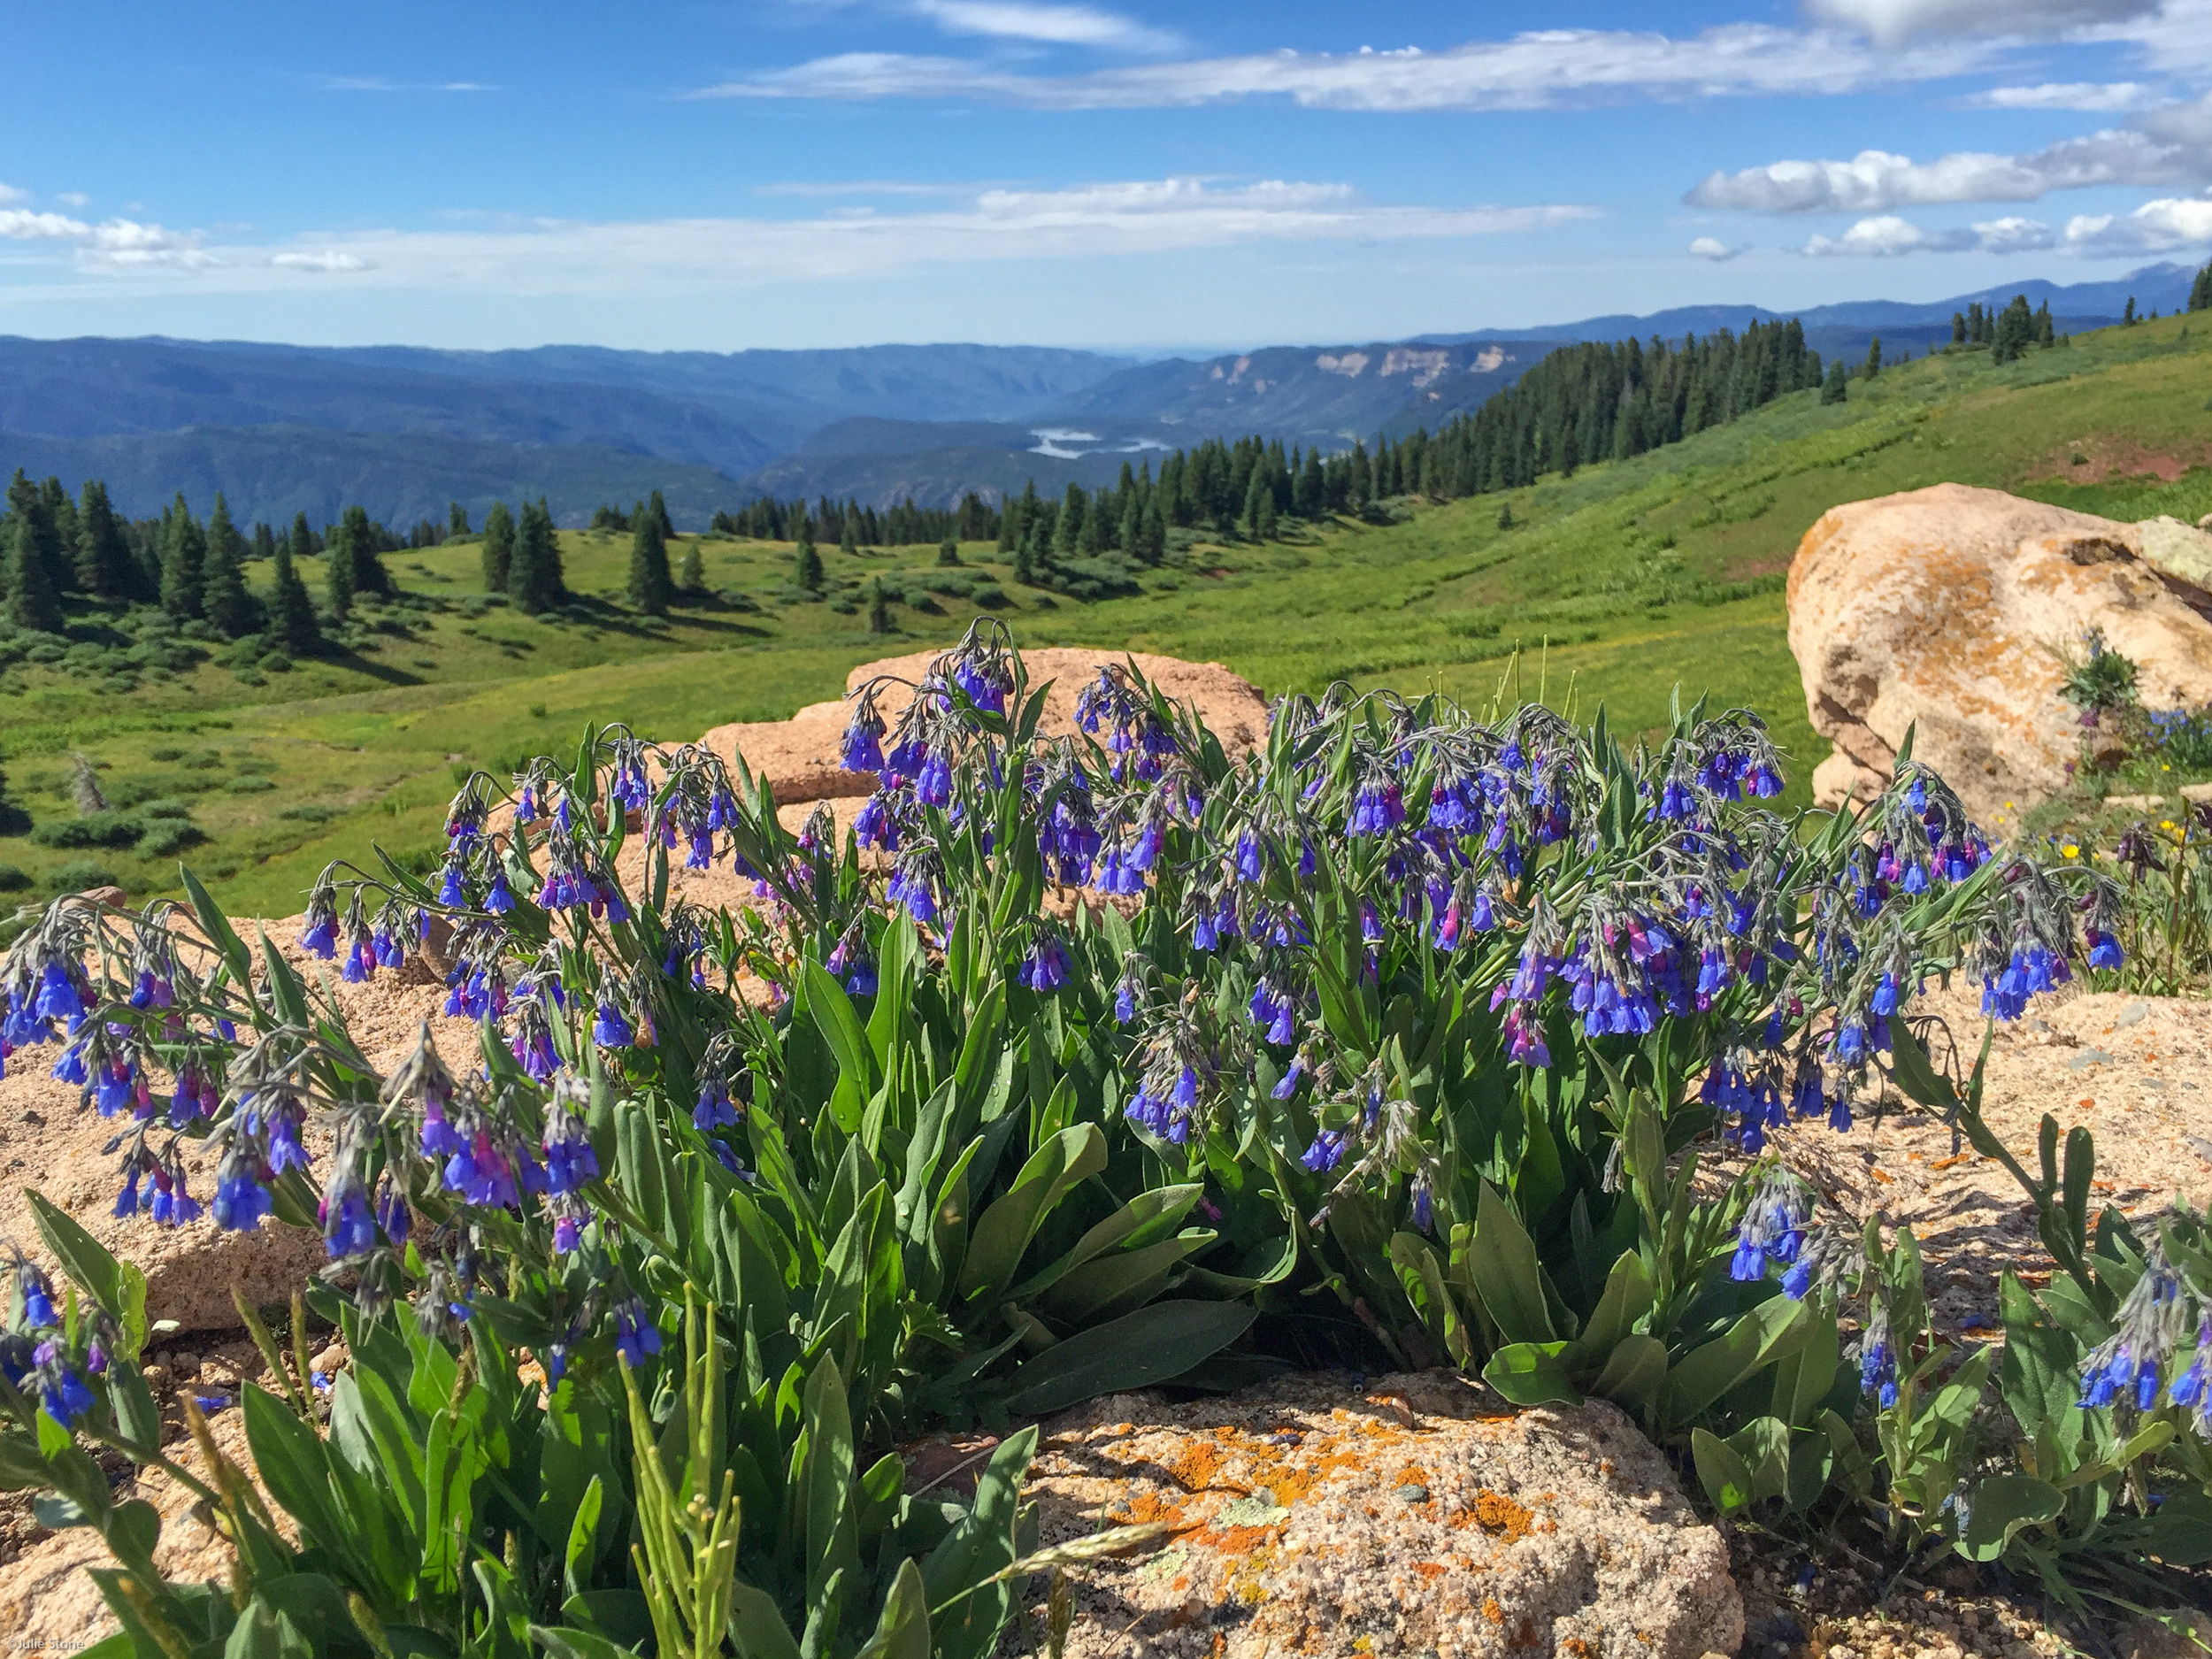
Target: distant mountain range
{"x":405,"y":430}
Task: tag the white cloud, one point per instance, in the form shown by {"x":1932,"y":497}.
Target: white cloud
{"x":1875,"y":179}
{"x":1546,"y":69}
{"x":326,"y":260}
{"x":1897,"y":19}
{"x":863,"y":187}
{"x":2097,"y":95}
{"x":1886,"y":235}
{"x":378,"y":83}
{"x":118,"y":244}
{"x":21,"y":224}
{"x":72,"y":198}
{"x":9,"y":192}
{"x":541,"y":256}
{"x":1054,"y":25}
{"x":1712,"y":248}
{"x":2160,"y":226}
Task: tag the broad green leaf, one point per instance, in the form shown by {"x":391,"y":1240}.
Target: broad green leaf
{"x":2000,"y":1507}
{"x":1134,"y":1351}
{"x":1113,"y":1282}
{"x":1633,"y":1374}
{"x":830,"y":1534}
{"x":1726,"y":1478}
{"x":566,"y":1642}
{"x":756,"y":1627}
{"x":840,"y":1027}
{"x":1505,"y":1273}
{"x":1531,"y":1374}
{"x":1002,"y":1232}
{"x":1775,"y":1327}
{"x":1143,"y":1220}
{"x":903,"y":1631}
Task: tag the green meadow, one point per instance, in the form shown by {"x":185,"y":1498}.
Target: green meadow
{"x":1612,"y":587}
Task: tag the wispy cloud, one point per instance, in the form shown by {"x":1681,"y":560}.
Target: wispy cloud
{"x":1548,"y":69}
{"x":1052,"y":25}
{"x":864,"y":187}
{"x":1886,"y":236}
{"x":118,"y":244}
{"x":1712,"y":248}
{"x":72,"y":198}
{"x":541,"y":257}
{"x":2041,"y":20}
{"x":2161,"y":148}
{"x":2162,"y":226}
{"x":378,"y":83}
{"x":2100,"y":96}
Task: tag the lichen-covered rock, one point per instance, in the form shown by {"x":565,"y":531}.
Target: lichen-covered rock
{"x":1948,"y":610}
{"x":1413,"y":1516}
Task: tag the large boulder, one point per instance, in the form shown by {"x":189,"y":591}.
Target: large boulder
{"x":1950,"y":610}
{"x":800,"y":756}
{"x":1415,"y":1515}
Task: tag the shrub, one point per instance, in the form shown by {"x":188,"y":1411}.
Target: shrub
{"x":13,"y":879}
{"x":169,"y":837}
{"x":91,"y":829}
{"x":80,"y":873}
{"x":164,"y":808}
{"x":248,"y":783}
{"x":309,"y":813}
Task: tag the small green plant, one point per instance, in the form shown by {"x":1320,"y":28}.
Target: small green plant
{"x":2098,"y":679}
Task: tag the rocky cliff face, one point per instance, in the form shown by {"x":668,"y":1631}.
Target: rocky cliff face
{"x":1948,"y":612}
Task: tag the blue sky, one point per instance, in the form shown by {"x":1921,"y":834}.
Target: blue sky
{"x":804,"y":172}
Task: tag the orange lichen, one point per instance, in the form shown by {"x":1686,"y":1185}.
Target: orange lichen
{"x":1492,"y":1611}
{"x":1430,"y":1569}
{"x":1152,"y":1506}
{"x":1498,"y":1515}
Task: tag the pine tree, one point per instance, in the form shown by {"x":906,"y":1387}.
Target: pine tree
{"x":1068,"y":529}
{"x":263,"y":541}
{"x":2201,"y":291}
{"x":1152,"y":546}
{"x":105,"y":566}
{"x":806,"y":563}
{"x":1505,"y":515}
{"x":659,"y":509}
{"x":949,"y":549}
{"x":32,"y":601}
{"x":1131,"y":540}
{"x":303,"y":538}
{"x":1873,"y":357}
{"x":369,"y":574}
{"x":1958,"y":329}
{"x":223,"y":597}
{"x":183,"y":554}
{"x":1258,"y":498}
{"x":691,"y":576}
{"x":879,"y":608}
{"x":292,"y":623}
{"x":457,"y":522}
{"x":2127,"y":317}
{"x":652,"y":588}
{"x":534,"y":579}
{"x":338,"y":571}
{"x":499,"y":547}
{"x":1836,"y":387}
{"x":848,"y":529}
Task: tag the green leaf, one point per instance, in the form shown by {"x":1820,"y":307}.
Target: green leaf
{"x":756,"y":1627}
{"x":82,"y":1256}
{"x":1632,"y":1376}
{"x":1505,"y":1273}
{"x":1721,"y":1468}
{"x":840,"y":1027}
{"x":1134,"y":1351}
{"x":1124,"y":1277}
{"x":831,"y":1535}
{"x":1914,"y":1072}
{"x":566,"y":1643}
{"x":1531,"y":1374}
{"x":1627,"y":1297}
{"x":1002,"y":1232}
{"x":1145,"y":1219}
{"x":2001,"y":1506}
{"x":1774,"y":1328}
{"x":903,"y":1631}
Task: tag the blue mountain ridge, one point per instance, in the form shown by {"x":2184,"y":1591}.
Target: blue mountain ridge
{"x":402,"y":429}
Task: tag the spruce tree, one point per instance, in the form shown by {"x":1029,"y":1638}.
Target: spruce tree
{"x":31,"y":600}
{"x":263,"y":541}
{"x":1505,"y":515}
{"x":806,"y":563}
{"x":499,"y":547}
{"x":223,"y":597}
{"x":303,"y":538}
{"x":1068,"y":530}
{"x":692,"y":577}
{"x":105,"y":566}
{"x":949,"y":549}
{"x":659,"y":509}
{"x":61,"y":540}
{"x":2127,"y":317}
{"x":457,"y":522}
{"x":1153,"y":543}
{"x":1131,"y":540}
{"x":849,"y":530}
{"x":651,"y":588}
{"x":1836,"y":387}
{"x":879,"y":608}
{"x":183,"y":552}
{"x":535,"y":579}
{"x":369,"y":574}
{"x":292,"y":623}
{"x":338,"y":571}
{"x":2201,"y":291}
{"x":1258,"y":500}
{"x":1873,"y":357}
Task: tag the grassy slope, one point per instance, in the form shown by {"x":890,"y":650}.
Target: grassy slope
{"x":1614,"y":586}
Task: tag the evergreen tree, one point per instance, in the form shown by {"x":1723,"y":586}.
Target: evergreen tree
{"x":369,"y":574}
{"x":949,"y":549}
{"x":457,"y":521}
{"x":338,"y":571}
{"x":1152,"y":545}
{"x":498,"y":555}
{"x":223,"y":597}
{"x":61,"y":534}
{"x":806,"y":563}
{"x":1362,"y":479}
{"x":848,"y":529}
{"x":1958,"y":329}
{"x":2045,"y":333}
{"x":1505,"y":515}
{"x":652,"y":588}
{"x":1131,"y":540}
{"x":2201,"y":291}
{"x":1259,"y":500}
{"x":1068,"y":529}
{"x":534,"y":579}
{"x":1025,"y":555}
{"x":879,"y":608}
{"x":1836,"y":387}
{"x":32,"y":601}
{"x":659,"y":509}
{"x":691,"y":577}
{"x":263,"y":541}
{"x":1311,"y":498}
{"x":303,"y":538}
{"x":183,"y":556}
{"x":292,"y":623}
{"x":104,"y":566}
{"x":1873,"y":357}
{"x":2127,"y":317}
